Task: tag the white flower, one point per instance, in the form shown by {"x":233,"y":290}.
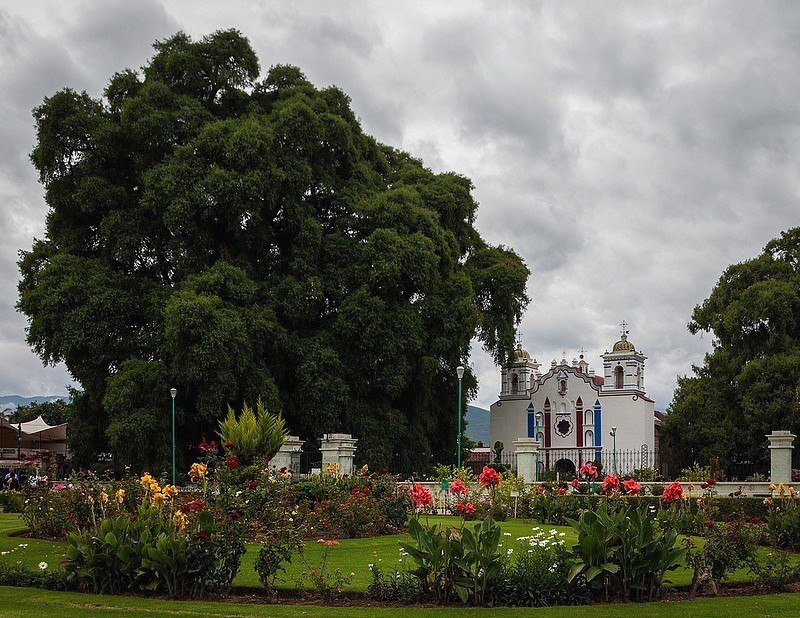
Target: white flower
{"x":509,"y":551}
{"x":42,"y":565}
{"x":506,"y":534}
{"x":369,"y":566}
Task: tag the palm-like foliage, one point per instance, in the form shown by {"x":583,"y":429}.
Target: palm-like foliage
{"x":254,"y":433}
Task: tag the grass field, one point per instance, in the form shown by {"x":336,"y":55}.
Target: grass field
{"x":25,"y":602}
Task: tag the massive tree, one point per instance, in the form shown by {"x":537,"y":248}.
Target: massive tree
{"x":242,"y":238}
{"x":749,"y":384}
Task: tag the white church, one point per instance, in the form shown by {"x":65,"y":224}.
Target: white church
{"x":576,"y":415}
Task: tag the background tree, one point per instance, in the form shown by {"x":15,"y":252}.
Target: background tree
{"x":750,"y":382}
{"x":243,"y":239}
{"x":53,"y":412}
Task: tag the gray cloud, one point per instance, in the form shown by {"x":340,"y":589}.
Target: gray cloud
{"x":628,"y":151}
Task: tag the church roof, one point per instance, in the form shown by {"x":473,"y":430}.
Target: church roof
{"x":623,"y":345}
{"x":520,"y":354}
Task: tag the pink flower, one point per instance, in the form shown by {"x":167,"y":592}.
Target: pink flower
{"x":489,"y":477}
{"x":465,"y":508}
{"x":59,"y":487}
{"x":673,"y":491}
{"x":457,"y":488}
{"x":420,"y":496}
{"x":610,"y":483}
{"x":632,"y":488}
{"x":589,"y":470}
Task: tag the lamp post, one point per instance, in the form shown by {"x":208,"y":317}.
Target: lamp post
{"x":613,"y":434}
{"x":173,"y":392}
{"x":460,"y":374}
{"x":536,"y":432}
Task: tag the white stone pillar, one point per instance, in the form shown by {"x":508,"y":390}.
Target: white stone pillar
{"x":284,"y":458}
{"x":780,"y":455}
{"x":339,"y":448}
{"x":527,"y":452}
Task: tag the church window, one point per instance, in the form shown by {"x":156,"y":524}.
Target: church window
{"x":619,"y":377}
{"x":563,"y":427}
{"x":514,"y":382}
{"x":588,"y":438}
{"x":562,"y":386}
{"x":587,"y":418}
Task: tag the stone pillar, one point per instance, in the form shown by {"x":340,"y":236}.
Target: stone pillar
{"x":780,"y":455}
{"x":527,"y":451}
{"x":339,"y":448}
{"x":288,"y":456}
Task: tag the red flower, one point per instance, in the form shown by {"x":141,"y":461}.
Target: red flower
{"x":589,"y":470}
{"x":420,"y":496}
{"x":610,"y":483}
{"x":489,"y":477}
{"x":711,"y":480}
{"x":194,"y":505}
{"x":575,"y":483}
{"x":230,"y":445}
{"x":631,"y":487}
{"x":233,"y":462}
{"x":465,"y":508}
{"x":703,"y":485}
{"x":252,"y":484}
{"x":709,"y":524}
{"x":204,"y":536}
{"x":457,"y":488}
{"x":673,"y":491}
{"x":562,"y":491}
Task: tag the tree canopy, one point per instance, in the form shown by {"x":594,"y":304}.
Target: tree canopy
{"x":749,"y":384}
{"x":242,"y":239}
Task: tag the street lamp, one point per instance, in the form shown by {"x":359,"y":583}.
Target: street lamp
{"x":173,"y":392}
{"x":460,"y":374}
{"x":536,"y":429}
{"x":613,"y":435}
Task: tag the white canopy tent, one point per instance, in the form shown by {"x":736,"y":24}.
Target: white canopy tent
{"x":35,"y":435}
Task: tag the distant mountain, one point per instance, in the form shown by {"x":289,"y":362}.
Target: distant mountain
{"x":478,"y":425}
{"x":9,"y":403}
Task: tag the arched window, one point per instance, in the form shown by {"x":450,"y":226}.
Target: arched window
{"x":587,"y":418}
{"x":619,"y":377}
{"x":588,"y":438}
{"x":562,"y":386}
{"x":514,"y":382}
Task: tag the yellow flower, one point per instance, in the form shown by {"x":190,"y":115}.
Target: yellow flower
{"x":170,"y":491}
{"x":103,"y":497}
{"x":90,"y":500}
{"x":120,"y":496}
{"x":365,"y":469}
{"x":146,"y":480}
{"x":772,"y":486}
{"x":767,"y":502}
{"x":792,"y":491}
{"x":198,"y":471}
{"x":330,"y":468}
{"x":179,"y":519}
{"x":158,"y":499}
{"x":689,"y":487}
{"x":781,"y":489}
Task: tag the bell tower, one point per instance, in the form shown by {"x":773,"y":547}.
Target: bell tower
{"x":623,"y":366}
{"x":519,"y":375}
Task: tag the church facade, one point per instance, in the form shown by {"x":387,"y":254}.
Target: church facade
{"x":576,"y":415}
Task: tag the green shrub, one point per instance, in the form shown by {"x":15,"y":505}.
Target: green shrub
{"x":727,"y":547}
{"x":624,"y":552}
{"x":537,"y":575}
{"x":253,"y":432}
{"x":393,"y":586}
{"x":783,"y":523}
{"x":23,"y":577}
{"x":11,"y":502}
{"x":656,"y":489}
{"x":459,"y":562}
{"x":776,"y":572}
{"x":147,"y":554}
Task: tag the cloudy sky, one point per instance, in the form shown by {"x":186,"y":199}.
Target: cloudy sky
{"x":629,"y":152}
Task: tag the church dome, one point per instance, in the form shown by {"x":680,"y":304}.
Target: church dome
{"x":623,"y":345}
{"x":521,"y":354}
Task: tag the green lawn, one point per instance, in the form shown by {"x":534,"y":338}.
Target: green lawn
{"x":25,"y":602}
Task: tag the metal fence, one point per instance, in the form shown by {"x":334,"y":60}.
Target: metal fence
{"x":567,"y":461}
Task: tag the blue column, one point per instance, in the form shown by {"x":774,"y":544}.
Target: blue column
{"x":598,"y":430}
{"x":531,"y":421}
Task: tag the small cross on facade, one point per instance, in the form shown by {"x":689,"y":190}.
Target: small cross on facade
{"x":582,"y":351}
{"x":624,"y":327}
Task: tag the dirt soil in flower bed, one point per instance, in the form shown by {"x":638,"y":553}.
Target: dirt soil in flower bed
{"x":244,"y":595}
